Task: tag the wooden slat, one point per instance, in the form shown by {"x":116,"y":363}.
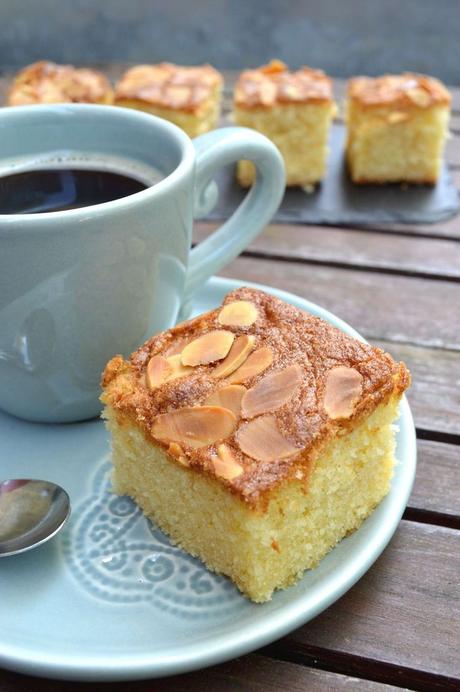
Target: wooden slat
{"x":252,"y":673}
{"x":397,"y":308}
{"x":401,"y":617}
{"x":355,"y":248}
{"x":436,"y":487}
{"x":434,"y":394}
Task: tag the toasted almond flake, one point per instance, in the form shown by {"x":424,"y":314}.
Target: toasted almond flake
{"x":225,"y":464}
{"x":419,"y":96}
{"x":208,"y":348}
{"x":178,"y":453}
{"x":238,"y":353}
{"x":175,"y":450}
{"x":241,"y":313}
{"x":158,"y":371}
{"x":228,"y":397}
{"x":343,"y":390}
{"x":275,"y":545}
{"x":256,"y":363}
{"x":177,"y":369}
{"x":197,"y":426}
{"x":272,"y":391}
{"x":397,"y":117}
{"x":262,"y":440}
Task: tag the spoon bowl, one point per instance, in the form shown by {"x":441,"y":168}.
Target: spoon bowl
{"x":31,"y":512}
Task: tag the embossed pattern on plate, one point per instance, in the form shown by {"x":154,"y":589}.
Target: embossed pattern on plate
{"x":119,"y":556}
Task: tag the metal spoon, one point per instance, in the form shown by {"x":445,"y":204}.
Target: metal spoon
{"x":31,"y":512}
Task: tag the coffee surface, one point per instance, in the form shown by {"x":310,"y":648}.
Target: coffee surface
{"x":57,"y":189}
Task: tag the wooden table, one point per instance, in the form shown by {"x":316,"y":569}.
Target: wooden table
{"x":400,"y":625}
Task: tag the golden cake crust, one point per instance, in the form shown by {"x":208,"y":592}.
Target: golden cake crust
{"x":169,"y":86}
{"x":316,"y":383}
{"x":407,"y":90}
{"x":47,"y":82}
{"x":273,"y":84}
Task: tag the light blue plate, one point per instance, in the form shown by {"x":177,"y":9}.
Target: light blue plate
{"x":111,"y":599}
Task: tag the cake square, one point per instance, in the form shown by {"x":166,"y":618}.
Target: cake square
{"x":186,"y":96}
{"x":256,"y":436}
{"x":47,"y":82}
{"x":294,"y":110}
{"x":396,"y":128}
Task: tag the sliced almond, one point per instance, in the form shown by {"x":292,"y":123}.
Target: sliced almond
{"x":225,"y":464}
{"x":419,"y":96}
{"x":343,"y":390}
{"x":178,"y":453}
{"x":262,"y":440}
{"x":228,"y":397}
{"x":177,"y":369}
{"x":208,"y":348}
{"x":397,"y":117}
{"x":158,"y":371}
{"x":256,"y":363}
{"x":272,"y":391}
{"x":238,"y":353}
{"x":161,"y":370}
{"x":197,"y":426}
{"x":241,"y":313}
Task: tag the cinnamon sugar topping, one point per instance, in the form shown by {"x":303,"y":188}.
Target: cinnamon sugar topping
{"x":169,"y":86}
{"x":404,"y":90}
{"x":47,"y":82}
{"x":273,"y":83}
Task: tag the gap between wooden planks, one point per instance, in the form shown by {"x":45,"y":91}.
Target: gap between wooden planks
{"x":366,"y":249}
{"x":252,"y":673}
{"x":400,"y":621}
{"x":398,"y":309}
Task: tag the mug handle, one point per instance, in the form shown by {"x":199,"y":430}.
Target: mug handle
{"x":214,"y":150}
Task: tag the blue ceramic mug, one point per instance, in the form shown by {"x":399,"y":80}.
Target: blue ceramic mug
{"x":78,"y":286}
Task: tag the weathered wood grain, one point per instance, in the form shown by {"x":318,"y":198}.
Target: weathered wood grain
{"x":395,"y":308}
{"x":403,"y":613}
{"x":252,"y":673}
{"x":437,"y":483}
{"x":434,"y":395}
{"x":353,"y":248}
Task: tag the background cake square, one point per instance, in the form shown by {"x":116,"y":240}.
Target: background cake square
{"x":186,"y":96}
{"x":396,"y":128}
{"x":294,"y":110}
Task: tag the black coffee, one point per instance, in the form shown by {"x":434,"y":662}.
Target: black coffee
{"x":57,"y":189}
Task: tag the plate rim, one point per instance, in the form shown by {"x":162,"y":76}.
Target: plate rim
{"x":276,"y":624}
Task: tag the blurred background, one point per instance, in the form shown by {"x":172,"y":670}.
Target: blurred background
{"x":343,"y":37}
